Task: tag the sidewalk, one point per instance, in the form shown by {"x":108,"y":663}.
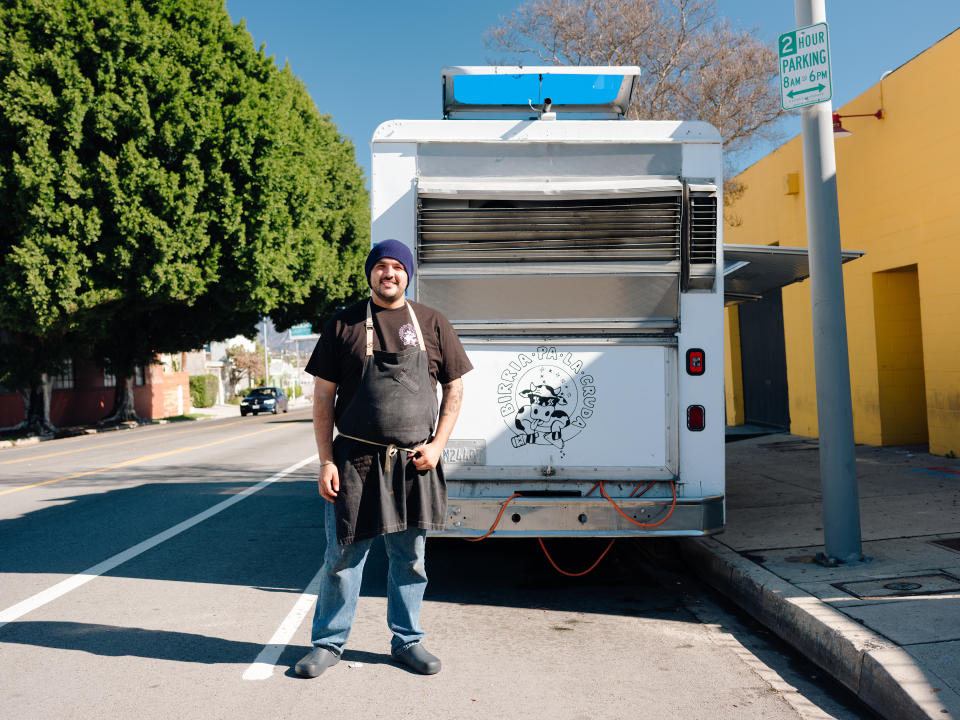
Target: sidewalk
{"x":217,"y":411}
{"x":889,"y":628}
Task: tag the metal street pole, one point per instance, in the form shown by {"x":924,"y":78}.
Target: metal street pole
{"x":266,"y":358}
{"x":841,"y":505}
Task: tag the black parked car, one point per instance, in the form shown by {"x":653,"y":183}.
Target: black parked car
{"x":264,"y":399}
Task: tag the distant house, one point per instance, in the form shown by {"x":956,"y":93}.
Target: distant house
{"x":896,"y":184}
{"x":84,"y":392}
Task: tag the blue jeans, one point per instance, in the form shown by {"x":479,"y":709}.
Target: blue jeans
{"x":340,"y":587}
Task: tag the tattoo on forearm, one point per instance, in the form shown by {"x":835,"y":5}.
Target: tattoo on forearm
{"x":452,"y":398}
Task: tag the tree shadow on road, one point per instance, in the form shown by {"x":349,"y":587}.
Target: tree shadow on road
{"x":113,"y":641}
{"x":274,"y":540}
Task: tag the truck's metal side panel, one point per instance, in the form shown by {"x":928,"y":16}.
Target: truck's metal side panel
{"x":393,"y":202}
{"x":701,"y":326}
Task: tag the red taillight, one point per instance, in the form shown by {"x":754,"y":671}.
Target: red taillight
{"x":696,"y":361}
{"x":696,"y":417}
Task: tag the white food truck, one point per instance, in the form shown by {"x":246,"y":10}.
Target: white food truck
{"x":579,"y":256}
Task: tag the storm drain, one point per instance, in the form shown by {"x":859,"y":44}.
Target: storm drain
{"x":791,"y":445}
{"x":935,"y":584}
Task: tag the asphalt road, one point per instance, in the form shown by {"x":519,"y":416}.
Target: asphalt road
{"x":161,"y":572}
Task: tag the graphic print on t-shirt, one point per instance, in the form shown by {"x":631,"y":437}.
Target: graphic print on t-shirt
{"x":408,"y":335}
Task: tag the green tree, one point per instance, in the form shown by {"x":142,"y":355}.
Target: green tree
{"x":163,"y":183}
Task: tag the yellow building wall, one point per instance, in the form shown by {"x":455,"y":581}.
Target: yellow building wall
{"x":733,"y":368}
{"x":899,"y":201}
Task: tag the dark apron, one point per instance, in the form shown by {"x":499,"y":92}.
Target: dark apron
{"x":393,"y":405}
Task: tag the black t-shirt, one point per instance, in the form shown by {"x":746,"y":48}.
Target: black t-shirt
{"x":339,"y":354}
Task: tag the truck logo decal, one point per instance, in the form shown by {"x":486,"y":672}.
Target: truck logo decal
{"x":545,"y":397}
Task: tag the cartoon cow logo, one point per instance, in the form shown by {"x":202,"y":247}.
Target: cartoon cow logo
{"x":541,"y":417}
{"x":546,"y":397}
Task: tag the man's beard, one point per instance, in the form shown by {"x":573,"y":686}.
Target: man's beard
{"x":394,"y":290}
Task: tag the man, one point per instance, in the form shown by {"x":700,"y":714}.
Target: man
{"x":376,"y":368}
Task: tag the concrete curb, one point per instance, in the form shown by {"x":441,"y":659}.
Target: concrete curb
{"x":882,"y":674}
{"x":218,"y":413}
{"x":78,"y":431}
{"x":20,"y":442}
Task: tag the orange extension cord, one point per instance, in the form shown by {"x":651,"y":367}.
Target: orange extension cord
{"x":573,"y":574}
{"x":603,"y":491}
{"x":595,"y":563}
{"x":673,"y":506}
{"x":495,"y":522}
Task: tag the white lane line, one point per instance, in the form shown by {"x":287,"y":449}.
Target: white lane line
{"x":265,"y":663}
{"x":72,"y":583}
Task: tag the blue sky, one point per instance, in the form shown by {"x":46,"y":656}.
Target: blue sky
{"x":368,"y":61}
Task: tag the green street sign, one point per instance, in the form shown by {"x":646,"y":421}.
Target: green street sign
{"x":301,"y":330}
{"x":804,"y":58}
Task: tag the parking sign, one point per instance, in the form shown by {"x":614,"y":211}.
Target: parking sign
{"x":804,"y":57}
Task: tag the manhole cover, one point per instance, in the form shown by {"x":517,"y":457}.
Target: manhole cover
{"x":902,"y":587}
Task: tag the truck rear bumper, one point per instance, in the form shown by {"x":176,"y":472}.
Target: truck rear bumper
{"x":582,"y":517}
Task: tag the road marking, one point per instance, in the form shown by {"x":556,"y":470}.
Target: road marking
{"x":266,"y":662}
{"x":72,"y":583}
{"x":936,"y":471}
{"x":143,"y":458}
{"x":99,"y":447}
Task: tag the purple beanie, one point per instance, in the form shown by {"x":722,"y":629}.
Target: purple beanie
{"x":390,"y":249}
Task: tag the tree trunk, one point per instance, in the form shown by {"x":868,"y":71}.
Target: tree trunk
{"x":123,"y":406}
{"x":36,"y":409}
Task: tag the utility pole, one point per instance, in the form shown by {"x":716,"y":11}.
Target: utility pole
{"x":266,"y":358}
{"x":838,"y":478}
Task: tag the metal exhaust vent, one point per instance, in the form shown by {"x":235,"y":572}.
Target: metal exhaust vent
{"x":703,"y":229}
{"x":511,"y":231}
{"x":700,"y":239}
{"x":556,"y":265}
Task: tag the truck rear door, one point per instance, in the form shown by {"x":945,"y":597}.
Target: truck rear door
{"x":569,"y":309}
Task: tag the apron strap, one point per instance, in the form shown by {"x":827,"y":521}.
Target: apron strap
{"x":416,"y":326}
{"x":388,"y":456}
{"x":369,"y":326}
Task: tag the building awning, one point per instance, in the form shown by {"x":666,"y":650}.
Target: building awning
{"x":752,"y":270}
